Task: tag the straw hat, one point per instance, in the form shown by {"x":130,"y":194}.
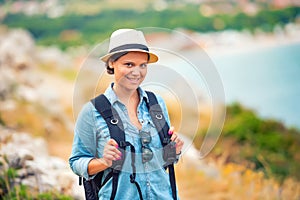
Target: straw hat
{"x":128,"y":40}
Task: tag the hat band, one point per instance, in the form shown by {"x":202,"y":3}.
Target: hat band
{"x":129,"y":46}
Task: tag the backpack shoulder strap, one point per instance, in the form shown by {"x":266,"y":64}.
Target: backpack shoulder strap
{"x":169,"y":152}
{"x":158,"y":118}
{"x":116,"y":131}
{"x":111,"y":118}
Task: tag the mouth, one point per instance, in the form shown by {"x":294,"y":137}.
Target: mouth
{"x":133,"y":80}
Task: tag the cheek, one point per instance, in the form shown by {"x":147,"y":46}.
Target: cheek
{"x":144,"y":72}
{"x":118,"y":76}
{"x":120,"y":73}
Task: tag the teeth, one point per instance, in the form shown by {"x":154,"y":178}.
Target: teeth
{"x":134,"y":79}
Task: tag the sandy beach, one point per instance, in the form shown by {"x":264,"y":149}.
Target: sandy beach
{"x":234,"y":42}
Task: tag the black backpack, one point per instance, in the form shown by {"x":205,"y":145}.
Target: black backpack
{"x":115,"y":127}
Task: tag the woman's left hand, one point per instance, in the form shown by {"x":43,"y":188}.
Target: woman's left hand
{"x":175,"y":138}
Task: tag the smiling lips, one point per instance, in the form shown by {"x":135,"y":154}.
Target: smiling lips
{"x":133,"y":80}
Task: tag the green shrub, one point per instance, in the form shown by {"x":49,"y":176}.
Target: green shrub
{"x":10,"y":191}
{"x":266,"y":143}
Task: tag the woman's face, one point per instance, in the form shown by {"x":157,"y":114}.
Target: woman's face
{"x":130,"y":70}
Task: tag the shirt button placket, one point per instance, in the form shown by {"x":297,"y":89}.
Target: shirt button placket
{"x":147,"y":181}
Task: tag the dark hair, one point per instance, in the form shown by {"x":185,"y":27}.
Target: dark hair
{"x":114,"y":58}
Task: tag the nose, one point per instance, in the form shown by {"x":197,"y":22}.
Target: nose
{"x":135,"y":70}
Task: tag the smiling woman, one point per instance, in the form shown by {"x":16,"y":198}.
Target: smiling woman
{"x":130,"y":71}
{"x":126,"y":136}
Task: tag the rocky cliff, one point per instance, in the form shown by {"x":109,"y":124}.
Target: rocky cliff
{"x":34,"y":118}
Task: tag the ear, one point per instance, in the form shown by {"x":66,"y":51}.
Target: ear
{"x":111,"y":64}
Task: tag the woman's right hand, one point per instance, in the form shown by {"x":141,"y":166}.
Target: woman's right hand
{"x":111,"y":152}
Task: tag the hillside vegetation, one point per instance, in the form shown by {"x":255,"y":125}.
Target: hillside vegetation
{"x":81,"y":29}
{"x":263,"y":145}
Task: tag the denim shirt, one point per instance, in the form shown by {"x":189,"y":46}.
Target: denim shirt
{"x":91,"y":134}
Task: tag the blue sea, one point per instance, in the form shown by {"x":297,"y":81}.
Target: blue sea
{"x":265,"y":80}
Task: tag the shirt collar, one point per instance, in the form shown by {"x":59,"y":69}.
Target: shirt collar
{"x":113,"y":98}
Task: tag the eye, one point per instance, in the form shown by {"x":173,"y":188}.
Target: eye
{"x":144,"y":65}
{"x":129,"y":64}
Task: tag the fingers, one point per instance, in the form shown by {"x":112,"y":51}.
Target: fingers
{"x":171,"y":130}
{"x":111,"y":152}
{"x":112,"y":142}
{"x":172,"y":133}
{"x":179,"y":145}
{"x":176,"y":139}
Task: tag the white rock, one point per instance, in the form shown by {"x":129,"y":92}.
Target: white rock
{"x":8,"y":105}
{"x":17,"y":49}
{"x":57,"y":163}
{"x":30,"y":182}
{"x":53,"y":56}
{"x":27,"y":93}
{"x":66,"y":179}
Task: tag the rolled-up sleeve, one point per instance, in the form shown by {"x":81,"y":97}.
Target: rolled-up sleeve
{"x":84,"y":143}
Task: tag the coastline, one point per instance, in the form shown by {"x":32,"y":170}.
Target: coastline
{"x":231,"y":42}
{"x":262,"y":75}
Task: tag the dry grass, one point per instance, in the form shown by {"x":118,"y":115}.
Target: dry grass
{"x":36,"y":121}
{"x":234,"y":182}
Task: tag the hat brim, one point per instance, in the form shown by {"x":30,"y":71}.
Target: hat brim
{"x":152,"y":57}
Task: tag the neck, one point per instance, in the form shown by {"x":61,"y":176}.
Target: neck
{"x":126,"y":96}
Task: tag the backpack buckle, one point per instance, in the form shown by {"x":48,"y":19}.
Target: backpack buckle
{"x":166,"y":141}
{"x":123,"y":144}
